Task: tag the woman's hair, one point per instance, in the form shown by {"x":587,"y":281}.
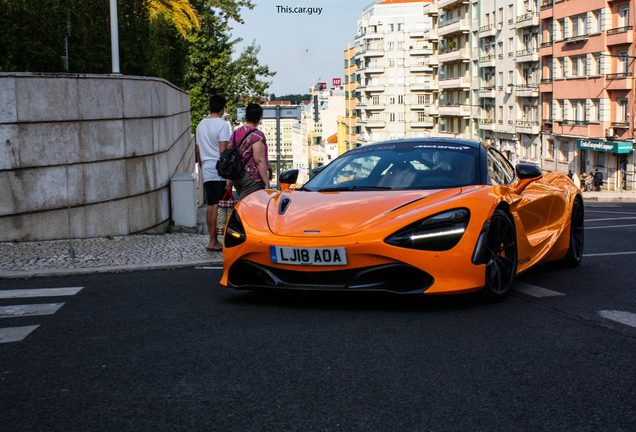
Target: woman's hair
{"x":253,"y":113}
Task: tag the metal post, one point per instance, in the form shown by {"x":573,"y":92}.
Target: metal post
{"x":278,"y":147}
{"x":114,"y":36}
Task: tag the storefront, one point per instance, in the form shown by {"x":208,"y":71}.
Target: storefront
{"x":614,"y":159}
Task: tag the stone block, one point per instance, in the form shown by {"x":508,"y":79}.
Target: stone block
{"x":107,"y":219}
{"x":138,"y":137}
{"x":9,"y":147}
{"x":41,"y":99}
{"x":102,"y":140}
{"x":140,"y":175}
{"x":158,"y":99}
{"x":161,"y":134}
{"x":142,"y":212}
{"x":8,"y":112}
{"x":101,"y":98}
{"x":37,"y":189}
{"x":43,"y":144}
{"x":48,"y":225}
{"x":162,"y":199}
{"x":162,"y":171}
{"x":137,"y":98}
{"x":105,"y":181}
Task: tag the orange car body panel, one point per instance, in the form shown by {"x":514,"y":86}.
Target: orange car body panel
{"x":360,"y":221}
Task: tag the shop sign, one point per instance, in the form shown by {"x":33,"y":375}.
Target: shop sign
{"x":605,"y":146}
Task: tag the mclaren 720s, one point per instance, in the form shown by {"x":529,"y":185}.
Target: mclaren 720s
{"x":432,"y":216}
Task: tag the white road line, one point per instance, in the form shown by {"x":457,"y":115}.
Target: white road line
{"x":622,"y":317}
{"x":42,"y":292}
{"x":15,"y":334}
{"x":609,"y":254}
{"x":609,"y":219}
{"x":535,"y":291}
{"x":611,"y":226}
{"x":29,"y":310}
{"x":209,"y":268}
{"x":611,"y":212}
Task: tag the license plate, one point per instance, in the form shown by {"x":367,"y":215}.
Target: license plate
{"x":308,"y":256}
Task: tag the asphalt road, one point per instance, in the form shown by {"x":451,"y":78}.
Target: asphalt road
{"x":172,"y":350}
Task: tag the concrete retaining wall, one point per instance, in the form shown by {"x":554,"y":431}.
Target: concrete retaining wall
{"x":116,"y":139}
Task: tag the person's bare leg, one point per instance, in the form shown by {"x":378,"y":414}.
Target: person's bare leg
{"x":210,"y":219}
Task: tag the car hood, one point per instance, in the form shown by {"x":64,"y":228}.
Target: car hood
{"x":323,"y":214}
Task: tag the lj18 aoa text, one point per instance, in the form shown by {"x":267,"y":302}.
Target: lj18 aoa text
{"x":299,"y":10}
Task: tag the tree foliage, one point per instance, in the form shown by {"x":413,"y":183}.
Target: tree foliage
{"x":152,"y":43}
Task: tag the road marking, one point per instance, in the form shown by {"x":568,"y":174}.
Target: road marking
{"x":611,"y":226}
{"x":29,"y":310}
{"x":535,"y":291}
{"x":622,"y":317}
{"x":209,"y":268}
{"x":42,"y":292}
{"x":609,"y":254}
{"x":609,"y":219}
{"x":15,"y":334}
{"x":611,"y":212}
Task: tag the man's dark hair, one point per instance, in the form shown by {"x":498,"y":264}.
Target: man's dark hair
{"x":253,"y":113}
{"x":217,"y":103}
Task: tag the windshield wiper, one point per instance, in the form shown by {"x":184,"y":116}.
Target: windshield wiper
{"x":352,"y":188}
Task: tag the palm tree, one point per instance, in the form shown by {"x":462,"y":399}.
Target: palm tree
{"x":180,"y":11}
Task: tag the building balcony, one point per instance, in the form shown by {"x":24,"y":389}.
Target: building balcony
{"x":460,"y":82}
{"x":487,"y":124}
{"x":528,"y":55}
{"x":431,"y":110}
{"x":375,"y":107}
{"x":487,"y":60}
{"x":372,"y":35}
{"x":546,"y":10}
{"x":419,"y":106}
{"x":455,"y":25}
{"x":488,"y":30}
{"x":576,"y":39}
{"x":375,"y":123}
{"x":546,"y":49}
{"x":421,"y":51}
{"x":373,"y":88}
{"x":423,"y":86}
{"x":530,"y":19}
{"x":546,"y":85}
{"x":457,"y":55}
{"x":423,"y":123}
{"x":372,"y":52}
{"x":528,"y":127}
{"x":454,"y":110}
{"x":430,"y":9}
{"x":527,"y":90}
{"x":432,"y":61}
{"x":619,"y":36}
{"x":431,"y":35}
{"x":372,"y":70}
{"x":620,"y":124}
{"x":618,"y":81}
{"x":418,"y":67}
{"x":417,"y":34}
{"x":448,"y":3}
{"x":487,"y":92}
{"x":448,"y":134}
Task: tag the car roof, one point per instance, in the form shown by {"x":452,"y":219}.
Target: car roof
{"x":409,"y":142}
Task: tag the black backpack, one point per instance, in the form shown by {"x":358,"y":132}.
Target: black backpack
{"x":599,"y":176}
{"x":229,"y":165}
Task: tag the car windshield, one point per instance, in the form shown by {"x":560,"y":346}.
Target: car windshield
{"x":396,"y":166}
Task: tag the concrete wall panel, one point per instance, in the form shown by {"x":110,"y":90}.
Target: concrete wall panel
{"x":107,"y":219}
{"x":105,"y":181}
{"x":43,"y":99}
{"x":162,"y":204}
{"x":102,"y":140}
{"x":101,"y":99}
{"x":8,"y":113}
{"x":137,"y":98}
{"x":137,"y":212}
{"x":9,"y":147}
{"x":140,"y":175}
{"x":138,"y":137}
{"x":46,"y":144}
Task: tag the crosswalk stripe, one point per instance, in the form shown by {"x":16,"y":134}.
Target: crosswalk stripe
{"x":535,"y":291}
{"x":627,"y":318}
{"x":40,"y":292}
{"x":16,"y":334}
{"x":29,"y":310}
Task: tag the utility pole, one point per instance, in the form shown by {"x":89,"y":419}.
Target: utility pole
{"x":114,"y":36}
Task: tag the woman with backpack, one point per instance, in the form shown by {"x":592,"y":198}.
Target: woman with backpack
{"x":251,"y":145}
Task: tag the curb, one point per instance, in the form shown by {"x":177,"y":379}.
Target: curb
{"x":25,"y":274}
{"x":610,"y":199}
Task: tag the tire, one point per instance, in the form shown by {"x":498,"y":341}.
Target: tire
{"x":501,"y":266}
{"x":577,"y":237}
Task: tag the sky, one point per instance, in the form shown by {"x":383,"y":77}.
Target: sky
{"x":303,"y":49}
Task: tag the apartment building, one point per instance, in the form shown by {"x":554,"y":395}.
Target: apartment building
{"x":509,"y":77}
{"x":587,"y":91}
{"x":349,"y":138}
{"x":396,"y":74}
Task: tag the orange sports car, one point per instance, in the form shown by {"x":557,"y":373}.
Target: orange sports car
{"x":432,"y":216}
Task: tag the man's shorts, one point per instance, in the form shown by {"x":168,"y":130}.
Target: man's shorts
{"x":214,"y":191}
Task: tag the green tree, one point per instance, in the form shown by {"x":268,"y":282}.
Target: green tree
{"x":181,"y":12}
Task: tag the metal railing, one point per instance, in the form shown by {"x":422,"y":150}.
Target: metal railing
{"x":619,"y":30}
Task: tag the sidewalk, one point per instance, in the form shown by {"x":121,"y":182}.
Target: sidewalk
{"x":141,"y":252}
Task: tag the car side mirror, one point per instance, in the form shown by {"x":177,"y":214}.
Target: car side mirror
{"x":526,"y":173}
{"x":288,"y":178}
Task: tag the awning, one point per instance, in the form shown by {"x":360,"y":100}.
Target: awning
{"x":605,"y":146}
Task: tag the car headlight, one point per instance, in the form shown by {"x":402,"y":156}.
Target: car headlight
{"x":234,"y":232}
{"x":439,"y":232}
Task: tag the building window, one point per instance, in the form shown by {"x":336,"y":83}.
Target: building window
{"x":549,"y":151}
{"x":622,"y":114}
{"x":600,"y":158}
{"x":563,"y":152}
{"x":391,"y":116}
{"x":400,"y":99}
{"x":595,"y":114}
{"x":597,"y":64}
{"x":623,"y":15}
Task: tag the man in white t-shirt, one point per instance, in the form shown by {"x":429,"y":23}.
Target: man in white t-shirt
{"x":213,"y":134}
